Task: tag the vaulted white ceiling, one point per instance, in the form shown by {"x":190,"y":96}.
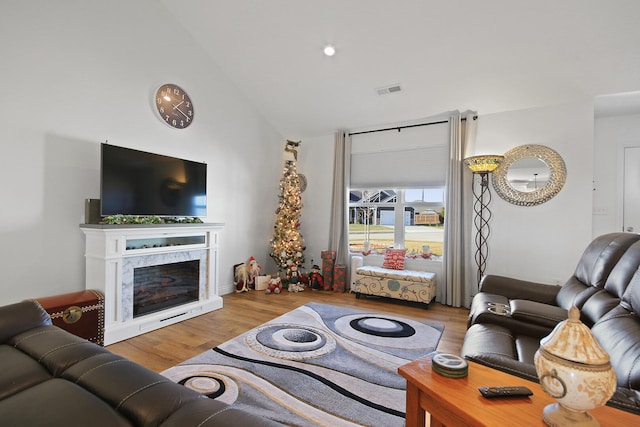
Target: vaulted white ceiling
{"x":488,"y":55}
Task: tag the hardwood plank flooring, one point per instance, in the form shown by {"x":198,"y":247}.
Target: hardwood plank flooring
{"x":159,"y":350}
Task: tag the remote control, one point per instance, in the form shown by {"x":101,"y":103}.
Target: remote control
{"x":502,"y":391}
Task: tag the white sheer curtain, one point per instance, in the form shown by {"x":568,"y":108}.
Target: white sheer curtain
{"x":339,"y":232}
{"x":456,"y":286}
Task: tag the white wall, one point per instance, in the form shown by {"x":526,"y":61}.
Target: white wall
{"x":315,"y":160}
{"x":75,"y":74}
{"x":542,"y":243}
{"x":611,"y":135}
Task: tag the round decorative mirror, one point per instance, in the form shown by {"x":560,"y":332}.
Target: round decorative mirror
{"x":529,"y":175}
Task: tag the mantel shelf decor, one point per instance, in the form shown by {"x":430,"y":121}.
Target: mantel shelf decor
{"x":136,"y":219}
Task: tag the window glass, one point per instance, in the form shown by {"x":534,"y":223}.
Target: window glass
{"x":411,"y":218}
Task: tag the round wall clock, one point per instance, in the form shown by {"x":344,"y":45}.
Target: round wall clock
{"x":174,"y":106}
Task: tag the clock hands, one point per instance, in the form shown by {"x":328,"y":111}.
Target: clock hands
{"x":175,"y":107}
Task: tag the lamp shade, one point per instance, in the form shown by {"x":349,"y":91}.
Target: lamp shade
{"x":483,"y":163}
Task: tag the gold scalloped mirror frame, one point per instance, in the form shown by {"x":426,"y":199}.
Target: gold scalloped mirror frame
{"x":557,"y":175}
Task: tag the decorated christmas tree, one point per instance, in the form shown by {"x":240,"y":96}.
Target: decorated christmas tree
{"x":287,"y":245}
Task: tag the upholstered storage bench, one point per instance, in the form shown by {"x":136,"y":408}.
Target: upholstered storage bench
{"x":410,"y":284}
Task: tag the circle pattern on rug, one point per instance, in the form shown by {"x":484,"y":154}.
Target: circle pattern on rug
{"x":382,"y":327}
{"x":386,"y":330}
{"x":293,"y":342}
{"x":211,"y":384}
{"x":210,"y":387}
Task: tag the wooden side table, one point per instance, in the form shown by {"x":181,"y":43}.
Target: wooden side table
{"x":457,"y":402}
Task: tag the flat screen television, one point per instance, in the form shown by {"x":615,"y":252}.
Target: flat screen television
{"x":135,"y":182}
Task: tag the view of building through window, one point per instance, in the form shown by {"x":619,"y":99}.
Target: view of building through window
{"x":398,"y":218}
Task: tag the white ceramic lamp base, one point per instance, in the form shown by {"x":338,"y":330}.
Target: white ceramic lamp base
{"x":556,"y":415}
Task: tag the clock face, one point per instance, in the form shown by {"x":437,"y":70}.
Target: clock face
{"x":174,"y":106}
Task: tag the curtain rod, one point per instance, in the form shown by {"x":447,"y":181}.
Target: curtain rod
{"x":399,"y":128}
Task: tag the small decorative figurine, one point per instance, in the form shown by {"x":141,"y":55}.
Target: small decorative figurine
{"x":245,"y":274}
{"x":293,"y":277}
{"x":275,"y":285}
{"x":315,"y":278}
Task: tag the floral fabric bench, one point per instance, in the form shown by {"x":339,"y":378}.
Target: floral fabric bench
{"x":407,"y":285}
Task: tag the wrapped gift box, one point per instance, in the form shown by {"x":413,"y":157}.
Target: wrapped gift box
{"x":340,"y":278}
{"x":328,"y":255}
{"x":328,"y":262}
{"x":262,"y":282}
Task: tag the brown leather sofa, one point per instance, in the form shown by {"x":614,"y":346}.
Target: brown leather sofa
{"x":508,"y":317}
{"x":49,"y":377}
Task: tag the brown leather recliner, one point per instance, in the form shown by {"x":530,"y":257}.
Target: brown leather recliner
{"x":509,"y":317}
{"x":535,"y":308}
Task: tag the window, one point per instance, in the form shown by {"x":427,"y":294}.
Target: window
{"x":396,"y":217}
{"x":398,"y":180}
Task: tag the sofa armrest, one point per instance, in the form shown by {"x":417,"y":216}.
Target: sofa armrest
{"x":520,"y":289}
{"x":20,"y":317}
{"x":626,"y":399}
{"x":538,"y":313}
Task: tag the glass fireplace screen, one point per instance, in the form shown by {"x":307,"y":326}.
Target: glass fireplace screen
{"x":159,"y":287}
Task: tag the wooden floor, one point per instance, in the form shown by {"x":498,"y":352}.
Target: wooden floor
{"x":166,"y":347}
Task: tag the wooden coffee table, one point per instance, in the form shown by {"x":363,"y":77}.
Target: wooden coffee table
{"x":457,"y":402}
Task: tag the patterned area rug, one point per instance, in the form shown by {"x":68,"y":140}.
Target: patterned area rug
{"x":318,"y":365}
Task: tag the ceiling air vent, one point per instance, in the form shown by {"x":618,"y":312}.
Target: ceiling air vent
{"x":389,"y":89}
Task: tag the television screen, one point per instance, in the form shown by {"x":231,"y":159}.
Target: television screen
{"x":135,"y":182}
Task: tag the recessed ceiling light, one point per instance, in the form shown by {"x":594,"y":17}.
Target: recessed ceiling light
{"x":329,"y":50}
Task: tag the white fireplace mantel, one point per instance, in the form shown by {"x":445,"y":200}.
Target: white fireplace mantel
{"x":111,"y":253}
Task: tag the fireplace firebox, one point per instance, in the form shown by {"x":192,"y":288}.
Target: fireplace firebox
{"x":158,"y":287}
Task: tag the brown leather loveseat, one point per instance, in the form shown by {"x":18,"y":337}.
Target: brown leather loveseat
{"x":508,"y":317}
{"x":49,"y":377}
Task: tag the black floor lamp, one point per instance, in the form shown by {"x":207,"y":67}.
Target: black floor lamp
{"x":482,"y":166}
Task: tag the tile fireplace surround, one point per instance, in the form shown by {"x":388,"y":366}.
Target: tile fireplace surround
{"x":113,"y":252}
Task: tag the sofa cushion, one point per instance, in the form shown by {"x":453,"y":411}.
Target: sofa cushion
{"x":19,"y":371}
{"x":494,"y":339}
{"x":55,"y":348}
{"x":58,"y":402}
{"x":535,"y":312}
{"x":601,"y":256}
{"x":394,"y":259}
{"x":619,"y":335}
{"x":526,"y":347}
{"x":618,"y":332}
{"x":142,"y":395}
{"x":386,"y":273}
{"x":495,"y":346}
{"x":200,"y":413}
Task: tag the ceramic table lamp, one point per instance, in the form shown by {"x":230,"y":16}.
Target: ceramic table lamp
{"x":575,"y":370}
